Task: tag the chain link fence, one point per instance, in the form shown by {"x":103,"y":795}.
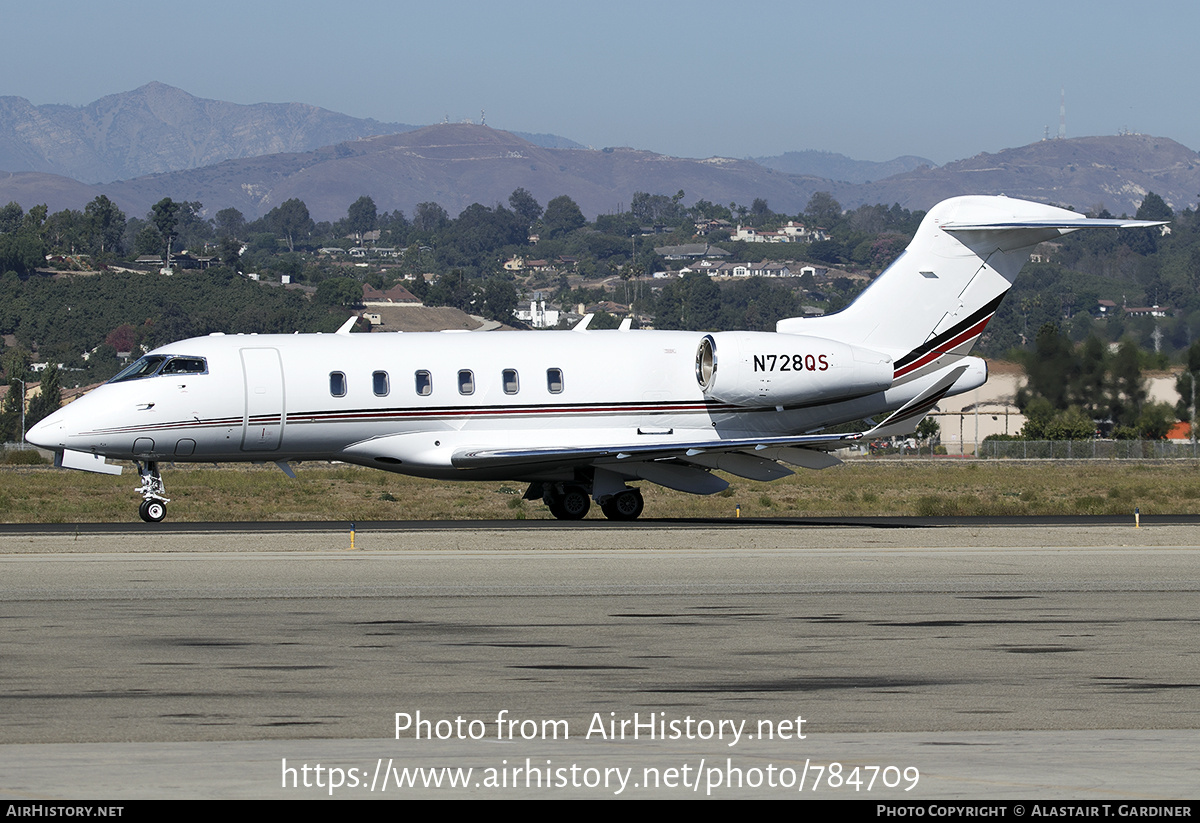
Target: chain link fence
{"x":1086,"y":449}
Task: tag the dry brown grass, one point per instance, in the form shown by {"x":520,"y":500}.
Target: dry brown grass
{"x":34,"y":494}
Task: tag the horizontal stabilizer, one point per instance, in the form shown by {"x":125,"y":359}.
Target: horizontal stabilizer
{"x":1070,"y":225}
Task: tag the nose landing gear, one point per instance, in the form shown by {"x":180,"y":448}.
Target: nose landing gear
{"x":153,"y":492}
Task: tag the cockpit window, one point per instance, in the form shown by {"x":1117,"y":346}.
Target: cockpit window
{"x":153,"y":364}
{"x":145,"y":367}
{"x":185,"y":365}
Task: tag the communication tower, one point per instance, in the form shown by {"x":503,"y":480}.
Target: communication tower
{"x":1062,"y":115}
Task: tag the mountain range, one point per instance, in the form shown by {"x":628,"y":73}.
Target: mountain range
{"x":833,"y":166}
{"x":157,"y":141}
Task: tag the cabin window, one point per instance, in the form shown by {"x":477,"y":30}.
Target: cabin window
{"x":379,"y":383}
{"x":424,"y":383}
{"x":466,"y":382}
{"x":511,"y":383}
{"x":554,"y":381}
{"x":337,"y":384}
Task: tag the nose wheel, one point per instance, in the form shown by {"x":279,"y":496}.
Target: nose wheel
{"x":153,"y":492}
{"x":152,"y":511}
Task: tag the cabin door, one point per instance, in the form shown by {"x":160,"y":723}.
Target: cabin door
{"x":262,"y":426}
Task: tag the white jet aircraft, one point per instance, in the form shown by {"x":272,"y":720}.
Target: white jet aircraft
{"x":577,"y":414}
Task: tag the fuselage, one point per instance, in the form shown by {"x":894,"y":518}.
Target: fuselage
{"x":228,"y":398}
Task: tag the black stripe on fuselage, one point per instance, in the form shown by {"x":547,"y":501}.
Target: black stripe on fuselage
{"x":949,"y":334}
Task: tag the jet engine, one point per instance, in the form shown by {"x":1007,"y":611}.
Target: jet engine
{"x":769,"y":369}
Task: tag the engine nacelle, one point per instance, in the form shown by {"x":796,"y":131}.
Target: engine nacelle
{"x":770,"y":369}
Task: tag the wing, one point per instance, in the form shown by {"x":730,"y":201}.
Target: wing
{"x":686,"y":465}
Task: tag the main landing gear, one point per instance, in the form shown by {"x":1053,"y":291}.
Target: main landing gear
{"x":572,"y":501}
{"x":154,"y":499}
{"x":627,"y":505}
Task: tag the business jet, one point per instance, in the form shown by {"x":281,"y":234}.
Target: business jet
{"x":579,"y":414}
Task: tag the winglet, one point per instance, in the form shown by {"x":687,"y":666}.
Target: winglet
{"x":583,"y":324}
{"x":348,"y":325}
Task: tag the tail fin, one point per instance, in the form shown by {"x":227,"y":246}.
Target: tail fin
{"x":938,"y":296}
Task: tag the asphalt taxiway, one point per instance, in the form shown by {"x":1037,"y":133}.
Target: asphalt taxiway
{"x":1000,"y":661}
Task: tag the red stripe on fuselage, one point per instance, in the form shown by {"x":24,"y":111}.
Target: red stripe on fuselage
{"x":970,"y":333}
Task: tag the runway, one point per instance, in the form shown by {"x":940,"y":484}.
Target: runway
{"x":1017,"y":661}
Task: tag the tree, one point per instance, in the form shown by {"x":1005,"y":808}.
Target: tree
{"x":105,"y":223}
{"x":885,"y":248}
{"x":827,"y":251}
{"x":165,"y":217}
{"x":499,"y":299}
{"x":193,"y":230}
{"x":22,"y":248}
{"x":21,"y":251}
{"x":452,"y":289}
{"x":1155,"y":420}
{"x":47,"y":400}
{"x":148,"y":240}
{"x":1070,"y":424}
{"x":430,"y":217}
{"x":760,"y":212}
{"x":562,"y":216}
{"x":35,"y":218}
{"x":822,"y":210}
{"x":1184,"y":384}
{"x":11,"y":217}
{"x":10,"y":412}
{"x":1127,"y":394}
{"x":1145,"y":241}
{"x":290,"y":218}
{"x":524,"y":204}
{"x":1154,"y":207}
{"x":693,"y":302}
{"x":339,"y":291}
{"x":362,"y":216}
{"x":66,"y":231}
{"x":122,"y":338}
{"x":477,"y":236}
{"x":1044,"y":422}
{"x":653,"y":208}
{"x":230,"y":223}
{"x":1089,"y":390}
{"x":231,"y":252}
{"x":1051,"y":368}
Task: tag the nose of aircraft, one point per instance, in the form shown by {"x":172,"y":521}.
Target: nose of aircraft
{"x":50,"y":433}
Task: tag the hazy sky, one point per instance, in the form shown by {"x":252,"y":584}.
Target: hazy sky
{"x":874,"y":80}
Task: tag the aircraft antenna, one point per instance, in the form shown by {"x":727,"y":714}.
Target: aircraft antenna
{"x":1062,"y":115}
